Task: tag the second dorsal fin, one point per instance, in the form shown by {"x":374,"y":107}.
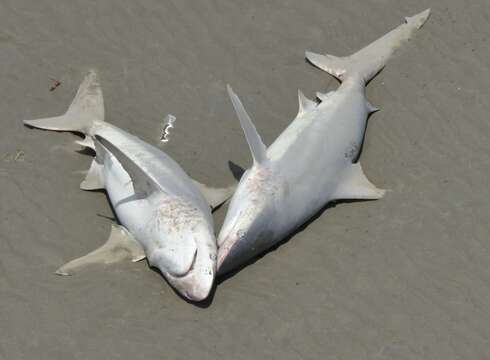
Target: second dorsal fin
{"x":324,"y":96}
{"x":305,"y":104}
{"x":257,"y":147}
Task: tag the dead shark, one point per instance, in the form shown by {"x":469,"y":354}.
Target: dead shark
{"x":313,"y":161}
{"x":163,"y":214}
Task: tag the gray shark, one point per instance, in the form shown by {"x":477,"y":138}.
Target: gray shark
{"x":164,"y":215}
{"x":313,"y":161}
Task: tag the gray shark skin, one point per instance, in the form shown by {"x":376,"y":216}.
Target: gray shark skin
{"x":164,"y":214}
{"x":312,"y":162}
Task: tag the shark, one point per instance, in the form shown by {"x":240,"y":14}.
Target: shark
{"x":314,"y":161}
{"x":164,"y":215}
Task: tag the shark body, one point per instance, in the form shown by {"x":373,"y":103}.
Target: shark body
{"x":314,"y":160}
{"x":164,"y":215}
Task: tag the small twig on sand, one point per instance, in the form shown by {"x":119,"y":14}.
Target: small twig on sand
{"x":19,"y":156}
{"x":55,"y":84}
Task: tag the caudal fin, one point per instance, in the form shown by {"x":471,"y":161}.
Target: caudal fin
{"x":86,"y":108}
{"x":368,"y":61}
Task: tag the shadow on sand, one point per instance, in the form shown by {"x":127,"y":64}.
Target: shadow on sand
{"x":224,"y":277}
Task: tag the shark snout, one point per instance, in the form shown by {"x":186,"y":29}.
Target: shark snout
{"x":238,"y":247}
{"x":196,"y":284}
{"x":201,"y":290}
{"x":192,"y":275}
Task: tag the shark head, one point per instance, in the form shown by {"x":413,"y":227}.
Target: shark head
{"x":183,"y":248}
{"x":249,"y":223}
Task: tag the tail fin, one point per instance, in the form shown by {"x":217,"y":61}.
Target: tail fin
{"x":255,"y":143}
{"x":86,"y":108}
{"x":370,"y":60}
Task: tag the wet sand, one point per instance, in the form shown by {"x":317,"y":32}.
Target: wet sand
{"x":406,"y":277}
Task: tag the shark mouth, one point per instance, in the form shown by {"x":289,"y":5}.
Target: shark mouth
{"x":189,"y":270}
{"x":194,"y":285}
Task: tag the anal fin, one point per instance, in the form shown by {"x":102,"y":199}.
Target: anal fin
{"x":87,"y":142}
{"x":94,"y":179}
{"x":324,"y":96}
{"x":120,"y":246}
{"x":357,"y":186}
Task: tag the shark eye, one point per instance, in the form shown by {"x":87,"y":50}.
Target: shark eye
{"x":240,"y":234}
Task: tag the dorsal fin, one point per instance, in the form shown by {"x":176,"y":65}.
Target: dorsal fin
{"x":143,"y":183}
{"x":305,"y":104}
{"x":255,"y":143}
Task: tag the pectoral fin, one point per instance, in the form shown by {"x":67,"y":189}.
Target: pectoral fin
{"x":357,"y":186}
{"x":120,"y":246}
{"x":215,"y":196}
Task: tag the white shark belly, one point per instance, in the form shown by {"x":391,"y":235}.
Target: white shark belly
{"x":321,"y":153}
{"x":132,"y":213}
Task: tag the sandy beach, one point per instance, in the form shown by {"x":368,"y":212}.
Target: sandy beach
{"x":405,"y":277}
